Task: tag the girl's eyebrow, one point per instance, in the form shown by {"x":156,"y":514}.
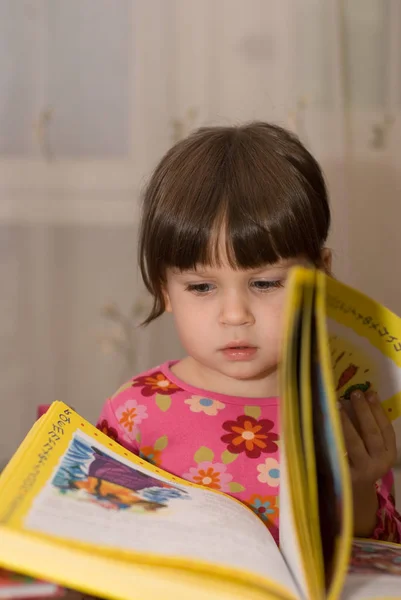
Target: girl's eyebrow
{"x":195,"y":273}
{"x":186,"y":273}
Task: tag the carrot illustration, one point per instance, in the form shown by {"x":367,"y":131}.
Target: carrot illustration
{"x":347,"y":375}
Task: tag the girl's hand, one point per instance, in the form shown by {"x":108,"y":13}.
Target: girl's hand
{"x":369,"y":438}
{"x":371,"y":449}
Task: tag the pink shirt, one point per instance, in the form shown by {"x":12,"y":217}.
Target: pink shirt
{"x":227,"y":443}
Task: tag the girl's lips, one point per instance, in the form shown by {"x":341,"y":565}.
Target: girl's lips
{"x":237,"y":344}
{"x":239,"y":352}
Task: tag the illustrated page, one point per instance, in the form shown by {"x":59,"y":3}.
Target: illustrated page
{"x":98,"y":497}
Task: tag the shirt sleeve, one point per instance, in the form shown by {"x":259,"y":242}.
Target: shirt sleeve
{"x":388,"y":519}
{"x":116,"y":422}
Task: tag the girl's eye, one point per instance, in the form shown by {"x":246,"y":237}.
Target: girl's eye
{"x":266,"y":286}
{"x":199,"y":288}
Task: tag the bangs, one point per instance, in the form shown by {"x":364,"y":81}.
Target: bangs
{"x":241,"y":238}
{"x":262,"y":213}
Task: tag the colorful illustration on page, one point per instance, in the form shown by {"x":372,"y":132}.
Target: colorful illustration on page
{"x":369,"y":557}
{"x":353,"y":368}
{"x":88,"y":473}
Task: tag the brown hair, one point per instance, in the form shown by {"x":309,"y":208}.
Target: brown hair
{"x":256,"y":181}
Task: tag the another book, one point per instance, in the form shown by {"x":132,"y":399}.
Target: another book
{"x":16,"y":586}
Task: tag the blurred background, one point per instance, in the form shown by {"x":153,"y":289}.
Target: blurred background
{"x":92,"y":92}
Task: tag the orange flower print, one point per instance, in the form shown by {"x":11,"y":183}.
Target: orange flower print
{"x":251,"y":436}
{"x":212,"y":475}
{"x":156,"y":383}
{"x":265,"y":507}
{"x":150,"y":454}
{"x":130,"y":415}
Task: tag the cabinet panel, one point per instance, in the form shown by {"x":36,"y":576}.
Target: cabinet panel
{"x":19,"y":56}
{"x":89,"y":77}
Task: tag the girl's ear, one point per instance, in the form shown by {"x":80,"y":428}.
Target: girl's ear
{"x":167,"y":301}
{"x":327,"y":260}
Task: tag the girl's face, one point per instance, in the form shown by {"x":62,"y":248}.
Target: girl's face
{"x":230,"y":324}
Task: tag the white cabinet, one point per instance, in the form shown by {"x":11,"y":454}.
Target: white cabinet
{"x":84,"y":106}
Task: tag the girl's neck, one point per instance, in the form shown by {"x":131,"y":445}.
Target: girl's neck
{"x":201,"y":376}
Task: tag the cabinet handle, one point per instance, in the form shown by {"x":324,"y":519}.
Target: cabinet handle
{"x":41,"y":131}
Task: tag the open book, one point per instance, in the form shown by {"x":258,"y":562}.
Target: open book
{"x":79,"y":510}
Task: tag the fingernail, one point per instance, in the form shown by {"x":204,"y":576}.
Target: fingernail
{"x":339,"y":405}
{"x":371,"y":397}
{"x":356,"y":395}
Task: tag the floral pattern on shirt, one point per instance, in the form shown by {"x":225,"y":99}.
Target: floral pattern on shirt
{"x":211,"y":475}
{"x":130,"y":415}
{"x":269,"y":472}
{"x":153,"y":454}
{"x":265,"y":507}
{"x":105,"y":428}
{"x":206,"y":405}
{"x":250,"y":435}
{"x":155,"y":383}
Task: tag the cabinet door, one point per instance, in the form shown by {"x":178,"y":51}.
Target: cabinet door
{"x":20,"y":55}
{"x":89,"y":68}
{"x":66,"y":78}
{"x":85,"y":93}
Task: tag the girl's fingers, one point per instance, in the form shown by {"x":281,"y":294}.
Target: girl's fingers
{"x":383,"y":423}
{"x":357,"y":453}
{"x":370,"y":431}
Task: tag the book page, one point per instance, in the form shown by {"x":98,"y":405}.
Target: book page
{"x":97,"y":497}
{"x":375,"y":571}
{"x":365,"y":343}
{"x":310,"y":437}
{"x":296,"y":541}
{"x":289,"y":538}
{"x":330,"y":485}
{"x":334,"y":483}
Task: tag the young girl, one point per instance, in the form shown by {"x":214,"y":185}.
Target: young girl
{"x":227,"y":213}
